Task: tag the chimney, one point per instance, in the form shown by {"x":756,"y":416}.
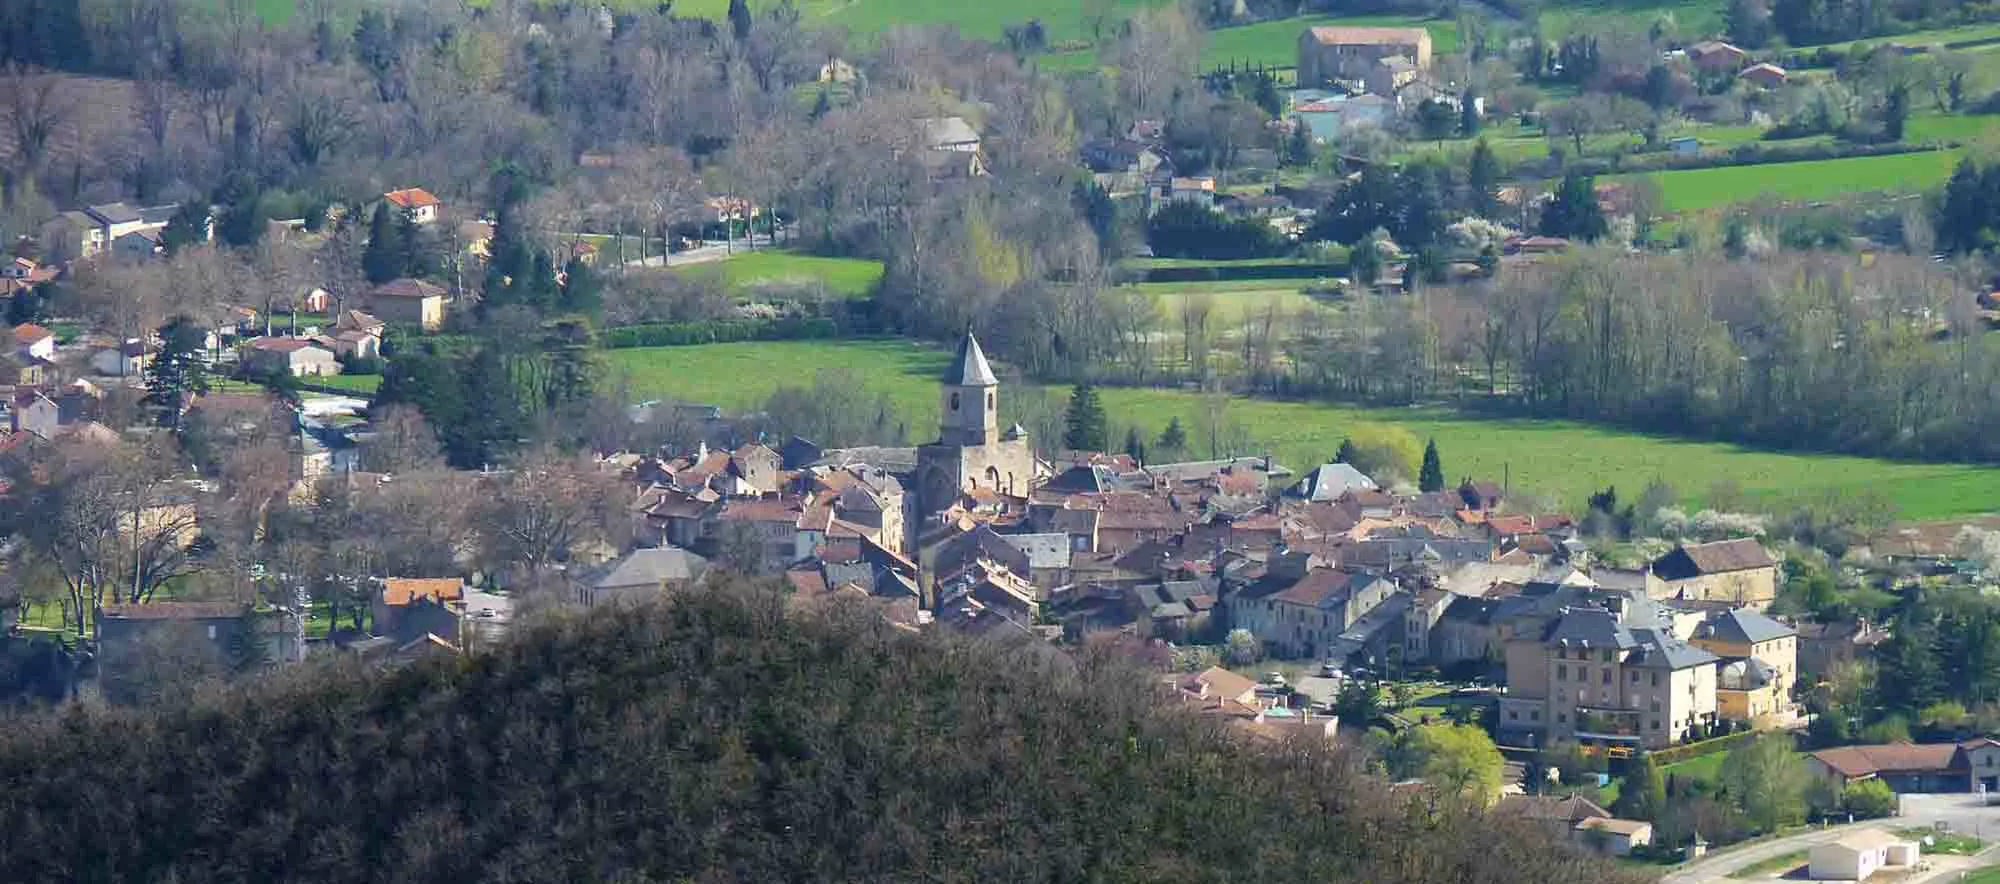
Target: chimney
{"x":701,"y":451}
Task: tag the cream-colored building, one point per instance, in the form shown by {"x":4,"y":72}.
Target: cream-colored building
{"x":1857,"y":855}
{"x":410,"y":301}
{"x":1600,"y":667}
{"x":1760,"y":665}
{"x":1739,"y":572}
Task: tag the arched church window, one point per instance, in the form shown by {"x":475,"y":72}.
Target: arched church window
{"x":993,"y":478}
{"x":954,"y":402}
{"x":989,"y":399}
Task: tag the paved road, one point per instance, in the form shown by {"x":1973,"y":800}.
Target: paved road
{"x":1963,"y":813}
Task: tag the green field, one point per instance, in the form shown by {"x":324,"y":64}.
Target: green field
{"x":1231,"y":302}
{"x":1697,"y":189}
{"x":845,"y":277}
{"x":1555,"y":457}
{"x":1693,"y":20}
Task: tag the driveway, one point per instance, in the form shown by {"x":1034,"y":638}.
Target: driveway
{"x":1963,"y":813}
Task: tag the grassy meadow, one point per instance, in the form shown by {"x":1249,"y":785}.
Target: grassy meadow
{"x":844,"y":277}
{"x":1697,"y":189}
{"x":1569,"y":460}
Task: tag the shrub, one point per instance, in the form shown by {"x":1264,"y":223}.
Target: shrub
{"x":1868,"y":799}
{"x":1189,"y":230}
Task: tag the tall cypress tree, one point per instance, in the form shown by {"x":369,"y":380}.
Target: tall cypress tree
{"x":739,"y":19}
{"x":1482,"y":177}
{"x":1431,"y":476}
{"x":383,"y":261}
{"x":1084,"y":423}
{"x":178,"y":372}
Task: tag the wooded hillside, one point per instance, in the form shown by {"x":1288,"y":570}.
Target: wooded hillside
{"x":717,"y":739}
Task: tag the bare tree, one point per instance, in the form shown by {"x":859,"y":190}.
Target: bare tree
{"x":37,"y":109}
{"x":547,"y":508}
{"x":401,"y":441}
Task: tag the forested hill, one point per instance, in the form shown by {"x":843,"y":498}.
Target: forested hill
{"x":715,"y":740}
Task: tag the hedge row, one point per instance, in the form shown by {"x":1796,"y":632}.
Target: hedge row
{"x":721,"y":331}
{"x":1686,"y":751}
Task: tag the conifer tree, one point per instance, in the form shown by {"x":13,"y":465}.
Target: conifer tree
{"x":1084,"y":422}
{"x":1431,"y":476}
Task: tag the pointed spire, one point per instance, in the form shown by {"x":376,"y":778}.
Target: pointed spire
{"x":970,"y":368}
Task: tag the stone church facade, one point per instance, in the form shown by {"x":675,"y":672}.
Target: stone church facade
{"x":972,"y":453}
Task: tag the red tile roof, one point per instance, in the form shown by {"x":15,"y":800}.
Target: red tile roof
{"x":411,"y":198}
{"x":29,"y":333}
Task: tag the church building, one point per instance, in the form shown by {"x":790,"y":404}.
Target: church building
{"x":971,"y":451}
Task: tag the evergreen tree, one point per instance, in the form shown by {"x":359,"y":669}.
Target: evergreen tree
{"x":822,"y":105}
{"x":1346,"y":452}
{"x":1896,"y":111}
{"x":1101,"y":211}
{"x":1967,"y":209}
{"x":1084,"y":421}
{"x":582,"y":291}
{"x":1431,"y":476}
{"x":1364,"y":261}
{"x":1573,"y":211}
{"x":1645,"y":794}
{"x":414,"y":247}
{"x":1910,"y":674}
{"x":1299,"y":148}
{"x":1173,"y":439}
{"x":1736,"y":237}
{"x":1482,"y":177}
{"x":242,"y":221}
{"x":187,"y":227}
{"x":1265,"y":95}
{"x":739,"y":19}
{"x":178,"y":372}
{"x":1469,"y":122}
{"x":492,"y":428}
{"x":383,"y":260}
{"x":1134,"y":445}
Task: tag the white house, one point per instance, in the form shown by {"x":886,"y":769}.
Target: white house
{"x":1856,"y":856}
{"x":34,"y":340}
{"x":421,"y":205}
{"x":124,"y":360}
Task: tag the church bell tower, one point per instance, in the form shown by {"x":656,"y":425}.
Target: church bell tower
{"x":971,"y":404}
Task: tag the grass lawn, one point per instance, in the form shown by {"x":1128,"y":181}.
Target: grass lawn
{"x":1990,"y":875}
{"x":1706,"y":767}
{"x":364,"y":384}
{"x":1232,"y":302}
{"x":846,"y":277}
{"x":1774,"y":867}
{"x":1696,"y":189}
{"x":1566,"y":459}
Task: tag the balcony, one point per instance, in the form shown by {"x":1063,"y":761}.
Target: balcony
{"x":1607,"y":725}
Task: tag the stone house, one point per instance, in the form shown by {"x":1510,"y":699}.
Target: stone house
{"x":1739,"y":572}
{"x":1328,"y":54}
{"x":410,"y":301}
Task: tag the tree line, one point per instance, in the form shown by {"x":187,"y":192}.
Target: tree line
{"x":646,"y":765}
